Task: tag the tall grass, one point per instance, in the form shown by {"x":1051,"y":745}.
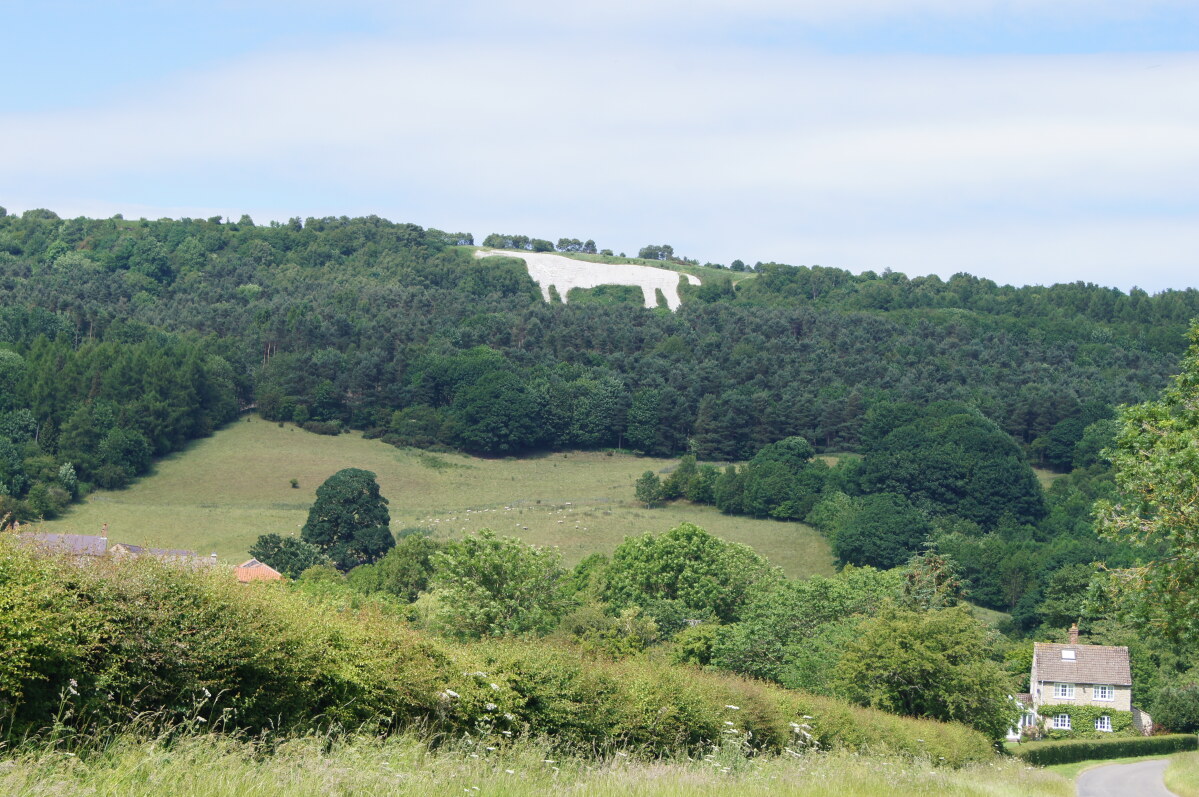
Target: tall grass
{"x":1182,"y":776}
{"x":323,"y":765}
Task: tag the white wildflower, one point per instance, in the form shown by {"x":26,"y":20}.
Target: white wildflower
{"x":451,"y":693}
{"x":490,"y":706}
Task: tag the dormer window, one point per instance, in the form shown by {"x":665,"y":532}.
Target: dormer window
{"x":1063,"y":691}
{"x":1067,"y":655}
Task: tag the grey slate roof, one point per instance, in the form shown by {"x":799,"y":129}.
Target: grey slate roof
{"x":77,"y":544}
{"x":166,"y":554}
{"x":1093,"y":664}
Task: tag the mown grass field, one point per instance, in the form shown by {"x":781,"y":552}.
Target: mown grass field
{"x":222,"y":492}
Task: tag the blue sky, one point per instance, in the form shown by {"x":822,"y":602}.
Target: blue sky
{"x":1028,"y":141}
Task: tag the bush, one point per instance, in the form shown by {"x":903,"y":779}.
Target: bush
{"x":1067,"y":751}
{"x":142,"y":640}
{"x":1176,"y":707}
{"x":322,"y":427}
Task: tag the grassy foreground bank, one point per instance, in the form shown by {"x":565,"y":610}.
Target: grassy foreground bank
{"x":223,"y":491}
{"x":1182,"y":776}
{"x":216,"y":766}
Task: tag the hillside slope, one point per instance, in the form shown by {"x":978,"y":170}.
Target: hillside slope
{"x":222,"y":492}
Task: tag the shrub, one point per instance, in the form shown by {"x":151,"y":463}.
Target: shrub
{"x":322,"y":427}
{"x":1067,"y":751}
{"x":1176,"y":706}
{"x":143,"y":640}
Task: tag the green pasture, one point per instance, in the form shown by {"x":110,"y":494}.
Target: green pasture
{"x":222,"y":492}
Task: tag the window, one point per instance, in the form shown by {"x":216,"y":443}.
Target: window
{"x":1105,"y":693}
{"x":1061,"y":722}
{"x":1067,"y":655}
{"x":1028,"y":720}
{"x":1104,"y":723}
{"x":1065,"y":691}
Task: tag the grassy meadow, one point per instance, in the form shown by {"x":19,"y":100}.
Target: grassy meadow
{"x":222,"y":492}
{"x":213,"y":766}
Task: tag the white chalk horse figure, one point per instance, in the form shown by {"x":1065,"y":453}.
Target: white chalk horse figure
{"x":564,"y":273}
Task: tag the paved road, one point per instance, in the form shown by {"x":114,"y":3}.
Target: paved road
{"x":1142,"y":779}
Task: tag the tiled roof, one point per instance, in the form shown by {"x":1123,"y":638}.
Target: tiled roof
{"x":1092,"y":664}
{"x":78,"y":544}
{"x":254,"y":570}
{"x":1024,"y":699}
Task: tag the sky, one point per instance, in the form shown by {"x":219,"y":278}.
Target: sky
{"x":1025,"y":141}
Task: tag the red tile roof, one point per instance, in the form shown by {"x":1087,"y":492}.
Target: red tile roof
{"x":254,"y":570}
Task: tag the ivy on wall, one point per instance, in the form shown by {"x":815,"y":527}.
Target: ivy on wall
{"x":1082,"y":722}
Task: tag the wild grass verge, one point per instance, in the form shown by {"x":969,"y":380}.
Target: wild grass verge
{"x":1182,"y":776}
{"x":208,"y":765}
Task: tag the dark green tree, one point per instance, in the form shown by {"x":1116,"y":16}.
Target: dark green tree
{"x":289,"y":555}
{"x":649,"y":489}
{"x":349,"y":519}
{"x":883,"y":531}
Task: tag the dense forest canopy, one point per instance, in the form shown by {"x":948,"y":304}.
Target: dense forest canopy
{"x":161,"y":329}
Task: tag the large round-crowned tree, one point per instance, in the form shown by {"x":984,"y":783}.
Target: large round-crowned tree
{"x":349,"y":520}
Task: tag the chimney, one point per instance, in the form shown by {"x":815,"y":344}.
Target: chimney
{"x":1074,"y":634}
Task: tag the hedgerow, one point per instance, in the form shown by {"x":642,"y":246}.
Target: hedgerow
{"x":1070,"y":750}
{"x":119,"y":642}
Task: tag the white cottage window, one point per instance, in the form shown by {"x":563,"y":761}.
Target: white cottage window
{"x":1105,"y":693}
{"x":1103,"y":723}
{"x":1063,"y":691}
{"x":1061,"y":722}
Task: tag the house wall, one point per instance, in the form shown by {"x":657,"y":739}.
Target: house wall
{"x":1084,"y":695}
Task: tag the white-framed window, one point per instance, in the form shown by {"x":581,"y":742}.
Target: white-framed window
{"x":1061,"y":722}
{"x":1105,"y":693}
{"x":1103,"y":723}
{"x":1028,"y":719}
{"x":1063,"y":691}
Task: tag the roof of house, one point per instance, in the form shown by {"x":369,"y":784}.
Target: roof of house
{"x":78,"y":544}
{"x":1091,"y":664}
{"x":254,"y":570}
{"x":165,"y":554}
